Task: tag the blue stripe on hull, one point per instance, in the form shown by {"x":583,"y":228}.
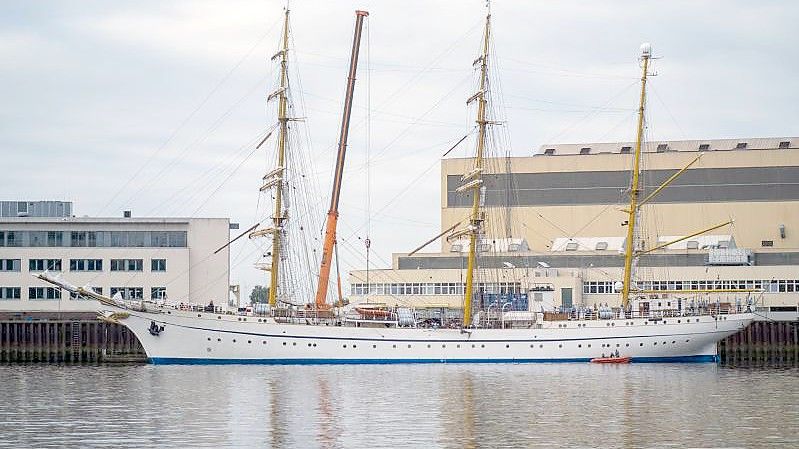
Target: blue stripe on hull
{"x":188,"y":361}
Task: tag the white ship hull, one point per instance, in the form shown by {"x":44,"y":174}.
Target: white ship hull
{"x":214,"y":339}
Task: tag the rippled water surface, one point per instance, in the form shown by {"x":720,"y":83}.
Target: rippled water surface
{"x":431,"y":406}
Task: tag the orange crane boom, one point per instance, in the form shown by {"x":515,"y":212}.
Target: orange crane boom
{"x":332,"y":214}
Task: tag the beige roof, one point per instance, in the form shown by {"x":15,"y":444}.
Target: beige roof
{"x":660,"y":146}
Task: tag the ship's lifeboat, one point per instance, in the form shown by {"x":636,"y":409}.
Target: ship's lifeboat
{"x":611,"y":360}
{"x":373,"y":313}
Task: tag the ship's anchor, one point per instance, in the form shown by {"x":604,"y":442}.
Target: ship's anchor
{"x":155,"y":329}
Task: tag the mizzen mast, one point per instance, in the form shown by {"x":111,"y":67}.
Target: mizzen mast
{"x":635,"y":190}
{"x":474,"y":179}
{"x":332,"y":214}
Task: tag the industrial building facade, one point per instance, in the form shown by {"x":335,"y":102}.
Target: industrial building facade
{"x":139,"y":258}
{"x":565,"y":204}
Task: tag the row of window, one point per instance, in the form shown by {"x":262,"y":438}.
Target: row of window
{"x":772,"y":286}
{"x":432,"y":288}
{"x":136,"y":293}
{"x":664,"y":147}
{"x":177,"y":239}
{"x":83,"y":264}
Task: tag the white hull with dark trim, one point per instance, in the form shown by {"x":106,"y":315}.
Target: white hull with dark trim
{"x":191,"y":337}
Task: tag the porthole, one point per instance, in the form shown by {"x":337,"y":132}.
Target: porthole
{"x":354,"y":346}
{"x":218,"y":317}
{"x":560,"y":346}
{"x":687,"y":341}
{"x":473,"y":346}
{"x":169,"y":312}
{"x":345,"y":346}
{"x":284,"y":344}
{"x":428,"y":346}
{"x":640,"y":344}
{"x":532,"y":346}
{"x":656,"y":343}
{"x":314,"y":345}
{"x":374,"y":346}
{"x":673,"y":342}
{"x":607,"y":324}
{"x":617,"y":345}
{"x":263,"y":342}
{"x":627,"y":344}
{"x":679,"y":321}
{"x":589,"y":345}
{"x":664,"y":342}
{"x":218,"y":339}
{"x":234,"y":340}
{"x":540,"y":346}
{"x":457,"y":346}
{"x":259,"y":320}
{"x":244,"y":319}
{"x":249,"y":341}
{"x":579,"y":346}
{"x":697,"y":320}
{"x":664,"y":321}
{"x":209,"y":338}
{"x":294,"y":344}
{"x":443,"y":346}
{"x":199,"y":315}
{"x":309,"y":345}
{"x":482,"y":346}
{"x":613,"y":324}
{"x":239,"y":319}
{"x":409,"y":346}
{"x":394,"y":346}
{"x":507,"y":346}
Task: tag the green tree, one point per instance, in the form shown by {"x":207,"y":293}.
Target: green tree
{"x":259,"y":294}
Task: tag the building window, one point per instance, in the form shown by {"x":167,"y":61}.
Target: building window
{"x":704,"y":147}
{"x":44,"y":293}
{"x":128,"y":292}
{"x":13,"y":238}
{"x":767,"y":243}
{"x":83,"y":238}
{"x":10,"y":293}
{"x":2,"y":238}
{"x":127,"y":264}
{"x":784,"y":145}
{"x":586,"y":150}
{"x":549,"y":151}
{"x":740,"y":146}
{"x":85,"y":264}
{"x":158,"y":293}
{"x":626,"y":150}
{"x":44,"y":264}
{"x":158,"y":265}
{"x":663,"y":147}
{"x":10,"y":264}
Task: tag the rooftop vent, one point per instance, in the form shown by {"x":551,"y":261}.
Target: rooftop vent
{"x":704,"y":147}
{"x":663,"y":147}
{"x":126,"y":214}
{"x":549,"y":151}
{"x":626,"y":150}
{"x":571,"y":246}
{"x":740,"y":146}
{"x":785,"y":144}
{"x":585,"y":150}
{"x":692,"y":244}
{"x":601,"y":246}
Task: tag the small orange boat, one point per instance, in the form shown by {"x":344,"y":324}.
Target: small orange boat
{"x":611,"y":360}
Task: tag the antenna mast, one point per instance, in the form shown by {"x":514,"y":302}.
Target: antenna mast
{"x":332,"y":214}
{"x":476,"y":219}
{"x":630,"y":250}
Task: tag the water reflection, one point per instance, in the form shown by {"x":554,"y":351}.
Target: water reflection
{"x":446,"y":406}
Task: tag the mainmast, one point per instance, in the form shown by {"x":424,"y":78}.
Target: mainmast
{"x":630,"y":249}
{"x":332,"y":214}
{"x":278,"y":216}
{"x":476,"y":219}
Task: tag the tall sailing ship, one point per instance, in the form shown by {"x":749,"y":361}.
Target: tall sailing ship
{"x":316,"y":333}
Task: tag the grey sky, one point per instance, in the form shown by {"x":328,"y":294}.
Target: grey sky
{"x":93,"y":89}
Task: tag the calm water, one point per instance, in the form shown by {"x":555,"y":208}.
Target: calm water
{"x":431,"y":406}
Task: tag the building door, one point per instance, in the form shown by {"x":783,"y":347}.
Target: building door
{"x":566,"y":297}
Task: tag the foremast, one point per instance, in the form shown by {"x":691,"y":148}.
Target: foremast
{"x":278,"y":217}
{"x":476,"y":217}
{"x":635,"y":190}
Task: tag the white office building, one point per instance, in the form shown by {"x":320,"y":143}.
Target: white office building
{"x":141,"y":258}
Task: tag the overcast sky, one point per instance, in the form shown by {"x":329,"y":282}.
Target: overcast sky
{"x":151,"y":105}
